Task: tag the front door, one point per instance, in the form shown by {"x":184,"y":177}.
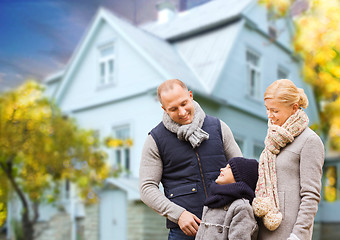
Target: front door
{"x":113,"y":215}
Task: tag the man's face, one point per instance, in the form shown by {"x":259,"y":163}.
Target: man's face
{"x":178,"y":104}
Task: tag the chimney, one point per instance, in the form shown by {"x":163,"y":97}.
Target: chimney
{"x":166,"y":11}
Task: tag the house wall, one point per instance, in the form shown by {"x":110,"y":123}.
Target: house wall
{"x":249,"y":129}
{"x":57,"y":228}
{"x":144,"y":223}
{"x":142,"y":113}
{"x":90,"y":223}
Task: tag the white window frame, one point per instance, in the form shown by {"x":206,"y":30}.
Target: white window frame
{"x":124,"y":161}
{"x":254,"y":69}
{"x":104,"y":61}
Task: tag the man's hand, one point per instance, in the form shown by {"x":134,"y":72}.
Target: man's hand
{"x":189,"y":223}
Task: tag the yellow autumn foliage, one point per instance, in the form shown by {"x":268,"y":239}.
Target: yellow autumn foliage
{"x":40,"y":147}
{"x":317,"y":41}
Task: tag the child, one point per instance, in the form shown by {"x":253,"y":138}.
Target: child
{"x":227,"y":213}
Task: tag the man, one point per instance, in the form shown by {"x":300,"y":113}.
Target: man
{"x":185,"y":152}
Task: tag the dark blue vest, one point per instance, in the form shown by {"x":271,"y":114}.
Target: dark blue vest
{"x":187,"y":172}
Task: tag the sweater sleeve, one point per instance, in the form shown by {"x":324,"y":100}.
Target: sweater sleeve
{"x":150,"y":174}
{"x":231,"y":149}
{"x":311,"y":162}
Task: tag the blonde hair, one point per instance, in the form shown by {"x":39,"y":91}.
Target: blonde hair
{"x":285,"y":91}
{"x":168,"y":85}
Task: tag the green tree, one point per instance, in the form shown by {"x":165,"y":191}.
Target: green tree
{"x":317,"y":41}
{"x":40,"y":147}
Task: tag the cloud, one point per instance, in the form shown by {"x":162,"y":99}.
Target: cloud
{"x":41,"y":35}
{"x":23,"y":68}
{"x":8,"y":81}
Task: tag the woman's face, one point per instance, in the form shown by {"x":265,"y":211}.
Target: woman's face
{"x":279,"y":112}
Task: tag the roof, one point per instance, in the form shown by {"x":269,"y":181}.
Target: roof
{"x":214,"y":49}
{"x":129,"y":185}
{"x":54,"y":76}
{"x":199,"y":19}
{"x":161,"y":53}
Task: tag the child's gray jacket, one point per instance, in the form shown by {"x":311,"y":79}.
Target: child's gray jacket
{"x":233,"y":222}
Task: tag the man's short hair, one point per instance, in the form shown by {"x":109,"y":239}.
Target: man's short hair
{"x":168,"y":85}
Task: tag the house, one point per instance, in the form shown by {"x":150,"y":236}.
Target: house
{"x":227,"y":52}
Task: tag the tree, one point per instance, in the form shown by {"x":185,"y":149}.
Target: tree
{"x":3,"y":200}
{"x":39,"y":147}
{"x":317,"y":41}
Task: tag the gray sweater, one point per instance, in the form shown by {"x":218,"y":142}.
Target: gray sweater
{"x":233,"y":222}
{"x":150,"y":175}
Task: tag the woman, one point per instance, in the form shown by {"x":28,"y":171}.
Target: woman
{"x":290,"y":167}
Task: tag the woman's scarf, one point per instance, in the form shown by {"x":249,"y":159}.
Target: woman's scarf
{"x":266,"y":203}
{"x":191,"y":132}
{"x":222,"y":195}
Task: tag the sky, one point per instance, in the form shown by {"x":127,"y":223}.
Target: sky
{"x":38,"y":37}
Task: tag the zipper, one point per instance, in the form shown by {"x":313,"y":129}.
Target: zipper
{"x":199,"y":163}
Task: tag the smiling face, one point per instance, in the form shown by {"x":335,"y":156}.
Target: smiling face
{"x":177,"y":102}
{"x":279,"y":112}
{"x":226,"y":176}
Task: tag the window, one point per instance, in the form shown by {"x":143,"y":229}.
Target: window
{"x":330,"y":184}
{"x":253,"y":75}
{"x":272,"y":30}
{"x":282,"y":73}
{"x":122,"y":153}
{"x":106,"y":64}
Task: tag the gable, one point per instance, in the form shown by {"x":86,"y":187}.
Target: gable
{"x":143,"y":62}
{"x":132,"y":74}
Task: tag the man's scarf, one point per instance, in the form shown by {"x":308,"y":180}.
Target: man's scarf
{"x":191,"y":132}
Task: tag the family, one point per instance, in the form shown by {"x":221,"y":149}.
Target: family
{"x":211,"y":191}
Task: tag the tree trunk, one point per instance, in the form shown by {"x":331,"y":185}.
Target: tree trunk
{"x":26,"y":223}
{"x":27,"y":227}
